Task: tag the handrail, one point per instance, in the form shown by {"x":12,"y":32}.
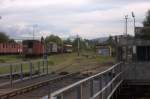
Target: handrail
{"x":97,"y":94}
{"x":81,"y":81}
{"x":34,"y":86}
{"x":110,"y":95}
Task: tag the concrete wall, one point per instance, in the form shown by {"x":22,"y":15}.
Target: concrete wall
{"x":138,"y":71}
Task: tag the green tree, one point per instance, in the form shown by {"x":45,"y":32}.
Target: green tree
{"x":146,"y":22}
{"x":110,"y":41}
{"x":53,"y":38}
{"x":3,"y":37}
{"x":67,"y":41}
{"x":11,"y":41}
{"x":90,"y":44}
{"x":82,"y":44}
{"x":146,"y":29}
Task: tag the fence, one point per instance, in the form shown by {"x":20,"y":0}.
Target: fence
{"x":23,"y":70}
{"x":99,"y":86}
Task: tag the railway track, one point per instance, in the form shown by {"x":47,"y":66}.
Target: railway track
{"x":22,"y":90}
{"x":19,"y":91}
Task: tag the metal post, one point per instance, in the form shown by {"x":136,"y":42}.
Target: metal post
{"x":133,"y":15}
{"x":134,"y":24}
{"x":21,"y":72}
{"x":11,"y":76}
{"x":100,"y":87}
{"x":100,"y":83}
{"x":33,"y":68}
{"x":78,"y":45}
{"x":30,"y":70}
{"x":116,"y":94}
{"x":126,"y":25}
{"x":39,"y":68}
{"x":79,"y":92}
{"x":60,"y":96}
{"x":43,"y":66}
{"x":126,"y":32}
{"x":104,"y":84}
{"x":34,"y":27}
{"x":49,"y":91}
{"x":91,"y":88}
{"x":47,"y":66}
{"x":107,"y":81}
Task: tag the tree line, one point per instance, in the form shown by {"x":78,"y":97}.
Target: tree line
{"x":146,"y":28}
{"x":84,"y":44}
{"x":5,"y":38}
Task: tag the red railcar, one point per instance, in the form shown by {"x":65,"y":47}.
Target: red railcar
{"x":33,"y":48}
{"x":10,"y":48}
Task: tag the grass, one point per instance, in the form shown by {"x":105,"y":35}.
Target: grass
{"x":9,"y":58}
{"x":69,"y":62}
{"x":72,"y":63}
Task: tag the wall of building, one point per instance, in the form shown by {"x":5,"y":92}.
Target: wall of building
{"x":138,"y":71}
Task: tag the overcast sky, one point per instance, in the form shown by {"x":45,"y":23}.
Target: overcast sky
{"x":88,"y":18}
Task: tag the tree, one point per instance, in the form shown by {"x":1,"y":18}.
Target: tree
{"x":11,"y":41}
{"x":53,"y":38}
{"x":146,"y":22}
{"x":67,"y":41}
{"x":82,"y":44}
{"x":146,"y":29}
{"x":110,"y":41}
{"x":3,"y":37}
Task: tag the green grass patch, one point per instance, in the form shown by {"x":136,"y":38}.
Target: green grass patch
{"x":69,"y":62}
{"x":9,"y":58}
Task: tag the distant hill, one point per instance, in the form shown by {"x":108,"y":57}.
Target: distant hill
{"x":101,"y":39}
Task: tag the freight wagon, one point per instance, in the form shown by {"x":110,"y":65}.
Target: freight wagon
{"x":51,"y":48}
{"x":33,"y":48}
{"x":67,"y":48}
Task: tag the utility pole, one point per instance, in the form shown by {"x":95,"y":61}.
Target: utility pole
{"x":133,"y":21}
{"x":78,"y":45}
{"x":134,"y":47}
{"x":34,"y":27}
{"x":126,"y":32}
{"x":126,"y":25}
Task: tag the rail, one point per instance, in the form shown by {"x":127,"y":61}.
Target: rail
{"x":34,"y":86}
{"x":99,"y":86}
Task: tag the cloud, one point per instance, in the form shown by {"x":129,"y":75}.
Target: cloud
{"x":88,"y":18}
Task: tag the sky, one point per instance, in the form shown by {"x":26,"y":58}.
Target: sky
{"x":67,"y":18}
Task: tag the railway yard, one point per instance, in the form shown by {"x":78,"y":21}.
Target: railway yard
{"x":39,"y":85}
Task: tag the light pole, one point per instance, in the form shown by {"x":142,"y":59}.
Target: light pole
{"x":78,"y":44}
{"x":126,"y":32}
{"x":126,"y":25}
{"x":34,"y":27}
{"x":133,"y":21}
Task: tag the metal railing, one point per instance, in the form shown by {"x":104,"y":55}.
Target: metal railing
{"x":99,"y":86}
{"x":15,"y":72}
